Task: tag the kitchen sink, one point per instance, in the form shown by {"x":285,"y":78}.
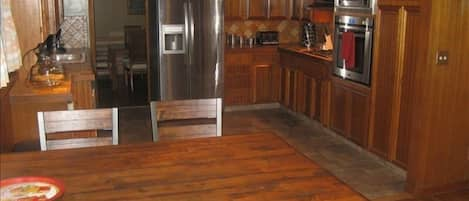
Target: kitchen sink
{"x":321,"y":53}
{"x":71,"y":56}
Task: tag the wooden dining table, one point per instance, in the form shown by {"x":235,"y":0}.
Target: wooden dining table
{"x":243,"y":167}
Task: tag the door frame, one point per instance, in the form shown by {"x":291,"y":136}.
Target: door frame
{"x":92,"y":38}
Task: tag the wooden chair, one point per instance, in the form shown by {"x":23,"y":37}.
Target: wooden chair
{"x":135,"y":42}
{"x":66,"y":123}
{"x":183,"y":119}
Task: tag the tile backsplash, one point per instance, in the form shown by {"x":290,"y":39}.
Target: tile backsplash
{"x":75,"y":31}
{"x":289,"y":30}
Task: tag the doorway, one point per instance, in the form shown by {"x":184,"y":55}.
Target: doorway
{"x":118,"y":46}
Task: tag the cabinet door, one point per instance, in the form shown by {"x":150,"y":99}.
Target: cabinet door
{"x":276,"y":82}
{"x":262,"y":84}
{"x":257,"y":9}
{"x":359,"y":117}
{"x":279,"y":9}
{"x":321,"y":15}
{"x":288,"y":88}
{"x":238,"y":85}
{"x":83,"y":94}
{"x":385,"y":78}
{"x":306,"y":95}
{"x":338,"y":109}
{"x":235,"y":9}
{"x":297,"y":10}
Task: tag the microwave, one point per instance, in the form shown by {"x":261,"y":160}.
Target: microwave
{"x":357,"y":6}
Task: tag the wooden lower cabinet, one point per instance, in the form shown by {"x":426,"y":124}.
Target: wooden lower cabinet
{"x":306,"y":97}
{"x":350,"y":105}
{"x":251,"y":76}
{"x":288,"y":88}
{"x":262,"y":83}
{"x":6,"y":130}
{"x":83,"y":94}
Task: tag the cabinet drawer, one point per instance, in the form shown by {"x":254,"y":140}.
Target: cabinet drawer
{"x":266,"y":58}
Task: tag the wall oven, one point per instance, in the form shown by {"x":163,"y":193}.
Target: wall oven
{"x":366,"y":6}
{"x":360,"y":28}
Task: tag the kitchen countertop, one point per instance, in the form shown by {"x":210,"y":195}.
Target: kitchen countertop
{"x":303,"y":51}
{"x":294,"y":48}
{"x":22,"y":91}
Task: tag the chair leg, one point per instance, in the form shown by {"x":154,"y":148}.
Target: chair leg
{"x":131,"y":80}
{"x":126,"y":78}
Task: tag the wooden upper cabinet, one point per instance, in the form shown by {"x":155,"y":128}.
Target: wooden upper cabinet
{"x":257,"y":9}
{"x":279,"y":9}
{"x":269,"y":9}
{"x":235,"y":9}
{"x":299,"y":10}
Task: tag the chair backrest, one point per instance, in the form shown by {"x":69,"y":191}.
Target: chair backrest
{"x":67,"y":122}
{"x":135,"y":41}
{"x":182,"y":119}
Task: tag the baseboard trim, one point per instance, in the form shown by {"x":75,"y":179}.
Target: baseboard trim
{"x":264,"y":106}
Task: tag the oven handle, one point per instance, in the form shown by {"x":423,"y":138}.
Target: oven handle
{"x":363,"y":29}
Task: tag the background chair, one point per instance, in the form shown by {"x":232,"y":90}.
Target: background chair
{"x":183,"y":119}
{"x":66,"y":123}
{"x":135,"y":42}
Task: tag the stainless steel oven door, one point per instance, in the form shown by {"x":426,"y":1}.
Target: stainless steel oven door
{"x":363,"y":49}
{"x":365,"y":6}
{"x":354,"y":3}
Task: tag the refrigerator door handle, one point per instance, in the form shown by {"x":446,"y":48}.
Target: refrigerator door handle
{"x":191,"y":31}
{"x":186,"y":33}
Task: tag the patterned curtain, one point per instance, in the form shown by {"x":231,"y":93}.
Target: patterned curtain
{"x":10,"y":52}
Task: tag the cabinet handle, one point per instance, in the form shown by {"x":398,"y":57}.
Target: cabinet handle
{"x":269,"y":9}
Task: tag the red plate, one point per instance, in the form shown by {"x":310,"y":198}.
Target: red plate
{"x":30,"y":187}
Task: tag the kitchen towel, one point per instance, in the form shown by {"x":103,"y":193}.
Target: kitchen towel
{"x":348,"y":49}
{"x":10,"y":52}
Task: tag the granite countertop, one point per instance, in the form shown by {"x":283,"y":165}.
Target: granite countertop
{"x":294,"y":48}
{"x":303,"y":51}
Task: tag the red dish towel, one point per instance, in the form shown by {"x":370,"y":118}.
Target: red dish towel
{"x":348,"y":50}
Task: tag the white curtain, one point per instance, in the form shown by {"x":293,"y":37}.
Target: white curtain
{"x":10,"y":52}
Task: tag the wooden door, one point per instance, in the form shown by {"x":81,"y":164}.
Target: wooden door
{"x":235,"y":9}
{"x":279,"y":9}
{"x":262,"y":84}
{"x":257,"y":9}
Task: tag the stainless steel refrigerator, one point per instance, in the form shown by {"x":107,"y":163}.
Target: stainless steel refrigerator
{"x":186,"y":49}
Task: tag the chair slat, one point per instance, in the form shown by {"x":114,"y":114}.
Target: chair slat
{"x":78,"y":143}
{"x":184,"y":110}
{"x":69,"y":115}
{"x":187,"y":131}
{"x":78,"y":125}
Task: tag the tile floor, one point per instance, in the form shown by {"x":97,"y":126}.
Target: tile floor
{"x":374,"y":178}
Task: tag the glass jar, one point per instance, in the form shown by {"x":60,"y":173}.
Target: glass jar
{"x":46,"y":73}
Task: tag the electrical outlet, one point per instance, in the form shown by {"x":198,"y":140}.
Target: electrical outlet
{"x":442,"y":57}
